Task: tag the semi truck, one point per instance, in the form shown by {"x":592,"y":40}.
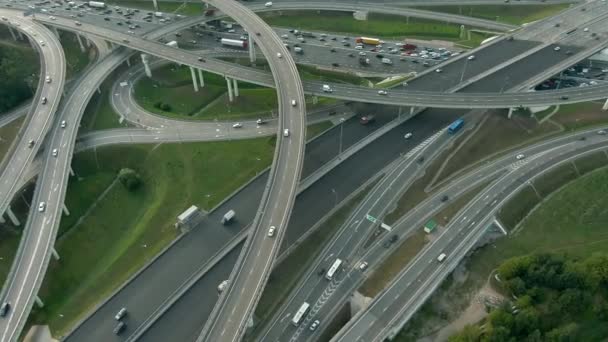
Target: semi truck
{"x":97,"y":4}
{"x":234,"y":42}
{"x":367,"y":40}
{"x":228,"y":217}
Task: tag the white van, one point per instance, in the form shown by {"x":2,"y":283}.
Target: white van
{"x":327,"y":88}
{"x":441,"y":257}
{"x":286,"y":132}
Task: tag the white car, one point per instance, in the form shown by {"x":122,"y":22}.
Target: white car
{"x":286,"y":132}
{"x":314,"y":325}
{"x":47,"y":79}
{"x":520,"y":156}
{"x":271,"y":231}
{"x":41,"y":206}
{"x":237,"y":125}
{"x":586,"y":29}
{"x":471,"y":57}
{"x":408,"y":135}
{"x":557,"y":48}
{"x":293,"y":103}
{"x":55,"y":152}
{"x":362,"y":265}
{"x":382,"y":92}
{"x":438,"y":70}
{"x":284,"y":36}
{"x":279,"y":55}
{"x":601,"y":132}
{"x":63,"y":124}
{"x":268,"y":4}
{"x":362,"y":53}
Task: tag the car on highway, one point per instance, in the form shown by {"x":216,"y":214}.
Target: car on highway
{"x":63,"y":124}
{"x":279,"y":55}
{"x":286,"y":132}
{"x":471,"y":57}
{"x":438,"y":70}
{"x":314,"y":325}
{"x":4,"y":309}
{"x":408,"y":135}
{"x":43,"y":100}
{"x":382,"y":92}
{"x":271,"y":231}
{"x":30,"y":143}
{"x":557,"y":48}
{"x":41,"y":206}
{"x":445,"y":198}
{"x":441,"y":257}
{"x":520,"y":156}
{"x":362,"y":265}
{"x":563,"y":97}
{"x":268,"y":4}
{"x":120,"y":327}
{"x":48,"y":79}
{"x":55,"y":152}
{"x":293,"y":103}
{"x":237,"y":125}
{"x":120,"y":314}
{"x":601,"y":132}
{"x":260,"y":121}
{"x":77,"y":23}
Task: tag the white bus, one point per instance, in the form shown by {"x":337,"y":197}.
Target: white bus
{"x":333,"y":269}
{"x":302,"y":311}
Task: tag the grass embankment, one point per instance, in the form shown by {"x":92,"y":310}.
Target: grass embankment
{"x":125,"y":229}
{"x":285,"y":275}
{"x":378,"y":25}
{"x":571,"y":220}
{"x":172,"y":86}
{"x":509,"y":14}
{"x":190,"y":8}
{"x":75,"y":59}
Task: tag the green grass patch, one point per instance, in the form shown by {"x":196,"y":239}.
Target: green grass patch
{"x":308,"y":72}
{"x":8,"y":134}
{"x":509,"y":14}
{"x":19,"y":69}
{"x":591,"y":162}
{"x":518,"y":207}
{"x":99,"y":113}
{"x":75,"y":59}
{"x":391,"y":267}
{"x":544,"y":113}
{"x":9,"y":241}
{"x":190,"y":8}
{"x":285,"y":275}
{"x":553,"y":179}
{"x":380,"y":25}
{"x":317,"y":128}
{"x":108,"y":246}
{"x":580,"y":115}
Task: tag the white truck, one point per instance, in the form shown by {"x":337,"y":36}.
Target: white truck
{"x":97,"y":4}
{"x":387,"y":61}
{"x":228,"y":217}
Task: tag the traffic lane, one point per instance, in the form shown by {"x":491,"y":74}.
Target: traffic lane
{"x":198,"y":302}
{"x":532,"y":65}
{"x":196,"y":246}
{"x":485,"y":59}
{"x":353,"y":172}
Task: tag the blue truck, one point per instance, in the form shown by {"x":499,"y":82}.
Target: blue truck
{"x":455,"y":126}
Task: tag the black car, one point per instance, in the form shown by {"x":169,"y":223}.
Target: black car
{"x":321,"y":272}
{"x":394,"y":238}
{"x":4,"y":309}
{"x":444,"y":198}
{"x":335,"y":64}
{"x":379,"y":56}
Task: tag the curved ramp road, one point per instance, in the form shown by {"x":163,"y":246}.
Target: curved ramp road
{"x":26,"y":274}
{"x":237,"y":302}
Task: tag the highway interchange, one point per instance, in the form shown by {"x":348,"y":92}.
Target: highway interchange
{"x":65,"y":138}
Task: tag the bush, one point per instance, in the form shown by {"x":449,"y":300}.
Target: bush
{"x":158,"y":104}
{"x":130,"y":179}
{"x":166,"y":107}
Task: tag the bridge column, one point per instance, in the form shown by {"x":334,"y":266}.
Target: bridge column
{"x":2,"y":220}
{"x":82,"y":48}
{"x":20,"y":34}
{"x":193,"y":79}
{"x":200,"y":78}
{"x":230,"y":98}
{"x":251,"y":50}
{"x":511,"y":110}
{"x":144,"y":60}
{"x":235,"y":87}
{"x":54,"y":253}
{"x":12,"y":216}
{"x":605,"y":106}
{"x":39,"y":302}
{"x":65,"y":210}
{"x":155,"y":5}
{"x":10,"y":29}
{"x":72,"y":173}
{"x":56,"y":31}
{"x":128,"y":62}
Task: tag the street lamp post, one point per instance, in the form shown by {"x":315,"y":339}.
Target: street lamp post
{"x":336,"y":197}
{"x":341,"y":129}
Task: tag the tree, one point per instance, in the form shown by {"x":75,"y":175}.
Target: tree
{"x":470,"y":333}
{"x":565,"y":333}
{"x":130,"y":179}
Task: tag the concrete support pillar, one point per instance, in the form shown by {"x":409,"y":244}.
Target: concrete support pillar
{"x":39,"y":302}
{"x":511,"y":110}
{"x":10,"y":29}
{"x":86,"y":39}
{"x":128,"y":62}
{"x":66,"y":212}
{"x":12,"y":216}
{"x":72,"y":173}
{"x":82,"y":48}
{"x":54,"y":253}
{"x":200,"y":78}
{"x":412,"y":110}
{"x":230,"y":98}
{"x":144,"y":60}
{"x":56,"y":31}
{"x":251,"y":50}
{"x":235,"y":87}
{"x":2,"y":220}
{"x":155,"y":5}
{"x":99,"y":91}
{"x":193,"y":79}
{"x":20,"y":34}
{"x":605,"y":106}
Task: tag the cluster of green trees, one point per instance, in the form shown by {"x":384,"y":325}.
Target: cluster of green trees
{"x":162,"y":106}
{"x":16,"y":78}
{"x":130,"y":179}
{"x":555,"y":299}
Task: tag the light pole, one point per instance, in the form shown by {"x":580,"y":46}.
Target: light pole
{"x":341,"y":129}
{"x":336,"y":197}
{"x":464,"y":68}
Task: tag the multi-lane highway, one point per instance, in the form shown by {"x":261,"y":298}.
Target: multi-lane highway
{"x":26,"y":274}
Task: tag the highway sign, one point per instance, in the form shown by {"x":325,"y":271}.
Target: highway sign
{"x":371,"y":218}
